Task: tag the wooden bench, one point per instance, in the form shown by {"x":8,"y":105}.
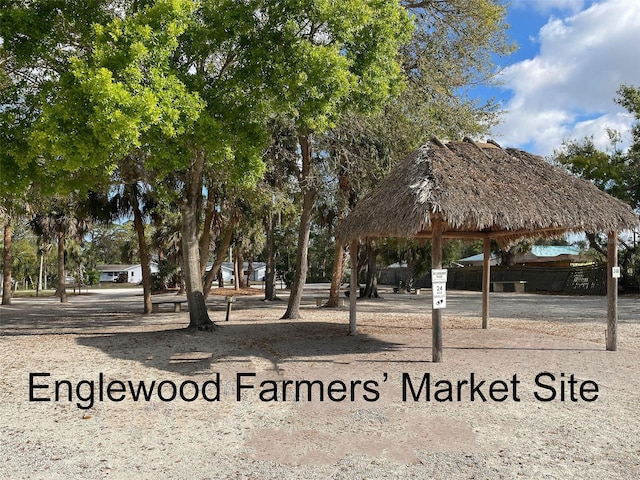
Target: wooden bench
{"x":518,"y":285}
{"x":177,"y":304}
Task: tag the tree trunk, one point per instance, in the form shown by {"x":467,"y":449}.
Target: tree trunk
{"x":270,"y":273}
{"x":222,"y":247}
{"x":189,"y":208}
{"x":309,"y":196}
{"x":145,"y":258}
{"x":336,"y":276}
{"x":198,"y":315}
{"x":240,"y":261}
{"x":593,"y":243}
{"x":236,"y":272}
{"x":40,"y":269}
{"x":6,"y":265}
{"x":339,"y":255}
{"x":182,"y":289}
{"x":205,"y":237}
{"x":506,"y":257}
{"x":62,"y":276}
{"x":371,"y":280}
{"x":249,"y":271}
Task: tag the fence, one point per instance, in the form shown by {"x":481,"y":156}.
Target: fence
{"x":576,"y":280}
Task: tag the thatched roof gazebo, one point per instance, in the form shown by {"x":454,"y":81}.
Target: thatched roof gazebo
{"x":471,"y":190}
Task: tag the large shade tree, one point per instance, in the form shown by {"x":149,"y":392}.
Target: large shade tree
{"x":451,"y":51}
{"x":38,"y":39}
{"x":120,"y":95}
{"x":335,"y":57}
{"x":615,"y":171}
{"x":103,"y":79}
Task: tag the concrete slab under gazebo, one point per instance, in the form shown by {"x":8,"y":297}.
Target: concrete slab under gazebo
{"x":469,"y":190}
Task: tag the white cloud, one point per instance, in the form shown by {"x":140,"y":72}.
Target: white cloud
{"x":567,"y":90}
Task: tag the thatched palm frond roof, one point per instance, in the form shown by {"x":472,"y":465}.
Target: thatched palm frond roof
{"x":483,"y":190}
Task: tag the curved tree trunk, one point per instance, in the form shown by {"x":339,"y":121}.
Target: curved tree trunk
{"x":62,"y":276}
{"x":336,"y":276}
{"x":205,"y":236}
{"x":145,"y":258}
{"x":309,"y":196}
{"x":222,"y":247}
{"x":6,"y":265}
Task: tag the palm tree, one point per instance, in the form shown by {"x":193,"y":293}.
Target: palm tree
{"x":166,"y":240}
{"x":134,"y":196}
{"x":66,"y":218}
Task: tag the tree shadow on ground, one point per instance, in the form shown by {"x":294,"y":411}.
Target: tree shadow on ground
{"x":265,"y":346}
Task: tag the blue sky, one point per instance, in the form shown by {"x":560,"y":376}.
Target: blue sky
{"x":561,"y":83}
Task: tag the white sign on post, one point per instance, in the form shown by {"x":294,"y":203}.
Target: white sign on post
{"x":439,"y":288}
{"x":439,"y":295}
{"x":615,"y":272}
{"x":439,"y":275}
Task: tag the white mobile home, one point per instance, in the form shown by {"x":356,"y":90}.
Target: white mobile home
{"x":123,"y":273}
{"x":257,"y":275}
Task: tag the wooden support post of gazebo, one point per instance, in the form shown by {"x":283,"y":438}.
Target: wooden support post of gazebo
{"x":353,"y":285}
{"x":436,"y":313}
{"x":486,"y":281}
{"x":612,"y":292}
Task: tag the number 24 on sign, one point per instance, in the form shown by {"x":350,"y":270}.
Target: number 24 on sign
{"x":439,"y":295}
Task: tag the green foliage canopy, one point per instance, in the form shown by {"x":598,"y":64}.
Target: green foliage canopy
{"x":324,"y":57}
{"x":121,"y":95}
{"x":36,"y":41}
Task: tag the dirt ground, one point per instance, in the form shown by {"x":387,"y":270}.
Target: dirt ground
{"x":535,"y":396}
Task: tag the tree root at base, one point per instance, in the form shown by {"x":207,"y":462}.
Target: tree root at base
{"x":207,"y":327}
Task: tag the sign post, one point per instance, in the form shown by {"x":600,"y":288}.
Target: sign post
{"x":230,"y":300}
